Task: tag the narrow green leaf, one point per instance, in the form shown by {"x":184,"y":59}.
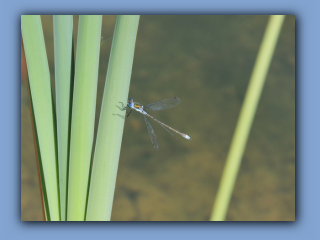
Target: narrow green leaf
{"x":83,"y":114}
{"x":63,"y":32}
{"x":246,"y":117}
{"x":109,"y":136}
{"x":40,"y":91}
{"x":40,"y":170}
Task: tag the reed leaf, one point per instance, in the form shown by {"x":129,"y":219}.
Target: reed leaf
{"x":63,"y":29}
{"x":109,"y":136}
{"x":246,"y":117}
{"x":83,"y":114}
{"x":43,"y":111}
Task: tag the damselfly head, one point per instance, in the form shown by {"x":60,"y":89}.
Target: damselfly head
{"x":130,"y":102}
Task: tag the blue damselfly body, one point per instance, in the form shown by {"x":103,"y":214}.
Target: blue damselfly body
{"x":157,"y":106}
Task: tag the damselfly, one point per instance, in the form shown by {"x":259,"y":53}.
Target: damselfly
{"x":157,"y":106}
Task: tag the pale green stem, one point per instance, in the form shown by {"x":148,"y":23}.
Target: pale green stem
{"x":83,"y":114}
{"x":41,"y":95}
{"x":247,"y":113}
{"x":63,"y":29}
{"x":109,"y":136}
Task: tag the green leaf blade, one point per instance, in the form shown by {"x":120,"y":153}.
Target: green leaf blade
{"x":83,"y":114}
{"x":63,"y":32}
{"x":110,"y":130}
{"x":246,"y":117}
{"x":40,"y":90}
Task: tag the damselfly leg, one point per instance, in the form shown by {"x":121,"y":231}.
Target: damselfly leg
{"x":123,"y":108}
